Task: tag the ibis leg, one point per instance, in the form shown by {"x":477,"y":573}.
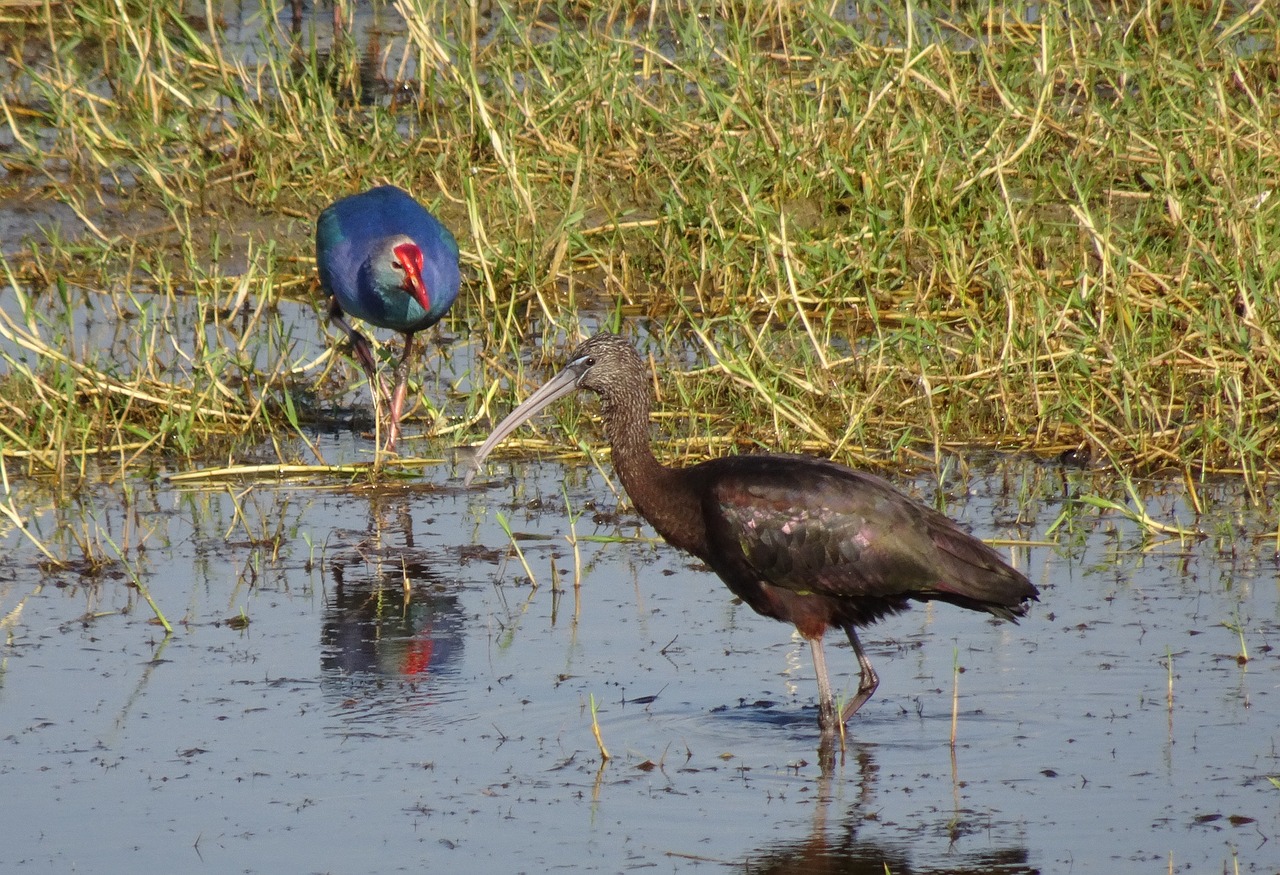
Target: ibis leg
{"x":826,"y":701}
{"x":869,"y":680}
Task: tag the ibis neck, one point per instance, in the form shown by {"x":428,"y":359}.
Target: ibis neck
{"x":662,"y":495}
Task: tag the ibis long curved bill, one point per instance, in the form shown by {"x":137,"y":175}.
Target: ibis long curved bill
{"x":562,"y":384}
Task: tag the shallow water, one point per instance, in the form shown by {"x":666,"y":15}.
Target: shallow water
{"x":349,"y":728}
{"x":402,"y":698}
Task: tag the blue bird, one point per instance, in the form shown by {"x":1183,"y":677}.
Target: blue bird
{"x":387,"y":261}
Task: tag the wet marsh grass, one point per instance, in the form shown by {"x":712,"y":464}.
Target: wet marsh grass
{"x":880,"y":238}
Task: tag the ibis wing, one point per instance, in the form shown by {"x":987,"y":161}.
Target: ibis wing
{"x":811,"y":526}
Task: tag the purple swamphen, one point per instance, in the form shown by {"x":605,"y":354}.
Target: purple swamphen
{"x":799,"y":539}
{"x":386,"y":260}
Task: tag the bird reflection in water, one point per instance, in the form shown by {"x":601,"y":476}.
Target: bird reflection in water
{"x":389,"y":615}
{"x":837,"y":849}
{"x":374,"y":629}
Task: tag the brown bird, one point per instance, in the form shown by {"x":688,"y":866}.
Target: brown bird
{"x":799,"y":539}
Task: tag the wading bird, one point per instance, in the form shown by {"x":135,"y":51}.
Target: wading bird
{"x":799,"y":539}
{"x":386,"y":260}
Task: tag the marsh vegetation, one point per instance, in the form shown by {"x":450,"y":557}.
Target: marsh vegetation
{"x":848,"y":229}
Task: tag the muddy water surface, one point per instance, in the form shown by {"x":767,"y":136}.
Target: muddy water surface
{"x":402,"y":698}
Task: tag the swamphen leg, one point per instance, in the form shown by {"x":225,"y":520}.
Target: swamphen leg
{"x":401,"y":390}
{"x":359,"y":346}
{"x":364,"y":354}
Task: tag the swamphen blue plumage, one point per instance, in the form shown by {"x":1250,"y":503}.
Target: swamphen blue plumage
{"x":798,"y":539}
{"x":387,"y":261}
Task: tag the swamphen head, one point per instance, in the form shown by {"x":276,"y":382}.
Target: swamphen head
{"x":384,"y":259}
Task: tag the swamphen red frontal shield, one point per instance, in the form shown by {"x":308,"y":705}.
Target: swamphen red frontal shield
{"x":799,"y":539}
{"x":387,"y":261}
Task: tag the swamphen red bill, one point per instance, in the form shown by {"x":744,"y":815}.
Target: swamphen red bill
{"x":387,"y":261}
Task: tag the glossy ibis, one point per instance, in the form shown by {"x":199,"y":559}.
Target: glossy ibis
{"x":799,"y":539}
{"x":386,"y":260}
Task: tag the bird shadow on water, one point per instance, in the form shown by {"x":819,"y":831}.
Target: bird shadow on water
{"x":797,"y":722}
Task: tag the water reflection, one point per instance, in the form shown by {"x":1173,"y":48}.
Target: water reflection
{"x":837,"y":850}
{"x":365,"y":54}
{"x":375,"y":628}
{"x":389,"y":615}
{"x":841,"y":853}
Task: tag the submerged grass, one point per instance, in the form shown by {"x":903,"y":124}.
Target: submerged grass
{"x":879,"y":234}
